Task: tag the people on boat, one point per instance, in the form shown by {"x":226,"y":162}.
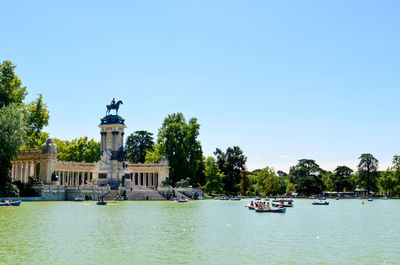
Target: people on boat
{"x":281,"y":204}
{"x":268,"y":207}
{"x":252,"y":204}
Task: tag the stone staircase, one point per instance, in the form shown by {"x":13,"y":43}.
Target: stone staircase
{"x":110,"y":195}
{"x":179,"y":195}
{"x":140,"y":193}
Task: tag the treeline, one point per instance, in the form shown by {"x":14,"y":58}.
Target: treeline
{"x":21,"y":124}
{"x":226,"y":172}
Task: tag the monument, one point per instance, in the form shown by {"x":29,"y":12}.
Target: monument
{"x":111,"y":169}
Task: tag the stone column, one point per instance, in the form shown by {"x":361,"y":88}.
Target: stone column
{"x":23,"y":172}
{"x":12,"y":172}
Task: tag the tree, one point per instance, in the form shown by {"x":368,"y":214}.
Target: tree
{"x":12,"y":134}
{"x":342,"y":178}
{"x":213,"y":176}
{"x":137,"y":144}
{"x":387,"y":181}
{"x":368,"y":172}
{"x":11,"y":89}
{"x":37,"y":117}
{"x":177,"y":140}
{"x":271,"y":183}
{"x":154,"y":155}
{"x":78,"y":150}
{"x":245,"y":183}
{"x":232,"y":163}
{"x":280,"y":173}
{"x":306,"y":176}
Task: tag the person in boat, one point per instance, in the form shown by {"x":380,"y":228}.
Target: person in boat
{"x":268,"y":207}
{"x":281,"y":204}
{"x":252,"y":204}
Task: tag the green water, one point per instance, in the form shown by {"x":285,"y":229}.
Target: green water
{"x":200,"y":232}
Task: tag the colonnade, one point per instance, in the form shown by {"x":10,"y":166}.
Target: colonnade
{"x":144,"y":179}
{"x":74,"y":178}
{"x":22,"y":170}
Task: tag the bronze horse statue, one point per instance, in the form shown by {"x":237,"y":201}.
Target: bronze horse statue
{"x":113,"y":105}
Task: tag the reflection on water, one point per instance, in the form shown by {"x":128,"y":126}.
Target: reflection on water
{"x":200,"y":232}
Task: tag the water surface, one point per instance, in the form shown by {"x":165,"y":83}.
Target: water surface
{"x":200,"y":232}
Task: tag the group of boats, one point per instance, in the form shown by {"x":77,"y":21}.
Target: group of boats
{"x":227,"y":198}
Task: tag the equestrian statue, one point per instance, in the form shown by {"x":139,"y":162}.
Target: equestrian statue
{"x":113,"y":105}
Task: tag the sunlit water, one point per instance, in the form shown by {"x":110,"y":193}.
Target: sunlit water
{"x":200,"y":232}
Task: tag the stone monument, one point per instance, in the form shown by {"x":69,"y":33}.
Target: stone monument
{"x":111,"y":168}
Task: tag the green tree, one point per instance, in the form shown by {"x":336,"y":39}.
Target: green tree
{"x":245,"y":183}
{"x":37,"y":117}
{"x":387,"y":181}
{"x":272,"y":184}
{"x":11,"y":89}
{"x":178,"y":142}
{"x":154,"y":155}
{"x":368,"y":172}
{"x":137,"y":144}
{"x":306,"y":176}
{"x":232,"y":163}
{"x":12,"y":135}
{"x":213,"y":176}
{"x":78,"y":150}
{"x":342,"y":178}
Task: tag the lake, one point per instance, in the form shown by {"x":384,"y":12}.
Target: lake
{"x":200,"y":232}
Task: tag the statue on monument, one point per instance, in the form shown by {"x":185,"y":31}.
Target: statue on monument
{"x":105,"y":158}
{"x":113,"y":105}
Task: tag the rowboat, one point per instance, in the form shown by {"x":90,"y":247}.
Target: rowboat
{"x":320,"y":203}
{"x":183,"y":201}
{"x":271,"y":210}
{"x":8,"y":203}
{"x":258,"y":198}
{"x":284,"y":205}
{"x":79,"y":199}
{"x":101,"y":203}
{"x":250,"y":207}
{"x":235,"y":199}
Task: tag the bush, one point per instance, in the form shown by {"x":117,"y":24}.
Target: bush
{"x":25,"y":189}
{"x":9,"y":190}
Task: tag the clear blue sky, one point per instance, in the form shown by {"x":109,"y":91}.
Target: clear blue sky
{"x":284,"y":80}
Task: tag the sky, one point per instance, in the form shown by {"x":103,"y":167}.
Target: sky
{"x":283,"y":80}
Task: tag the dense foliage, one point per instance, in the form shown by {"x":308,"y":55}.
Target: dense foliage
{"x":137,"y":144}
{"x":232,"y":163}
{"x":177,"y":141}
{"x":78,"y":150}
{"x":12,"y":135}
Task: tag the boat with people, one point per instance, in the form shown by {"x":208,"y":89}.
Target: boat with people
{"x":270,"y":210}
{"x":217,"y":198}
{"x":79,"y":199}
{"x":384,"y":198}
{"x":258,"y":198}
{"x":370,"y":200}
{"x":236,"y":198}
{"x":10,"y":203}
{"x":224,"y":199}
{"x":183,"y":200}
{"x":320,"y":202}
{"x":101,"y":203}
{"x":285,"y":205}
{"x":282,"y":199}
